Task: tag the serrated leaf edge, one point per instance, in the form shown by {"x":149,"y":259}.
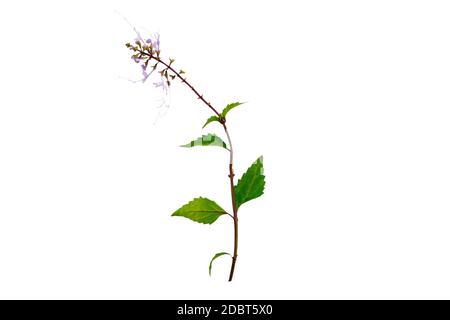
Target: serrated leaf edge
{"x":192,"y":143}
{"x":229,"y":107}
{"x":222,"y":212}
{"x":260,"y":159}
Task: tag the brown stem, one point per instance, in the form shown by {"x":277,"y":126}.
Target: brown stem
{"x":233,"y":201}
{"x":183,"y":80}
{"x":230,"y":166}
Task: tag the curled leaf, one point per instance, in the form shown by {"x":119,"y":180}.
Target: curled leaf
{"x":211,"y":119}
{"x":215,"y":257}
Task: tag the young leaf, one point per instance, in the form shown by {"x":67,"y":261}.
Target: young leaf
{"x":210,"y":119}
{"x":251,"y":184}
{"x":214,"y":258}
{"x":206,"y":140}
{"x":229,"y":107}
{"x":200,"y":210}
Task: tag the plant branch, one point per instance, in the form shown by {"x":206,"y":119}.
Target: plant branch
{"x":183,"y":79}
{"x":230,"y":166}
{"x":233,"y":201}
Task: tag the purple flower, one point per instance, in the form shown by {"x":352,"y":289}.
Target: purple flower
{"x":156,"y":44}
{"x":163,"y":84}
{"x":154,"y":41}
{"x":138,"y":36}
{"x":144,"y":48}
{"x":145,"y":74}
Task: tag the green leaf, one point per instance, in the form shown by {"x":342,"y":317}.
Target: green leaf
{"x":229,"y":107}
{"x":210,"y":119}
{"x":206,"y":140}
{"x":200,"y":210}
{"x":214,"y":258}
{"x":251,"y":185}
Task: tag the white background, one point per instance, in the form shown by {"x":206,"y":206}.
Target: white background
{"x":348,"y":101}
